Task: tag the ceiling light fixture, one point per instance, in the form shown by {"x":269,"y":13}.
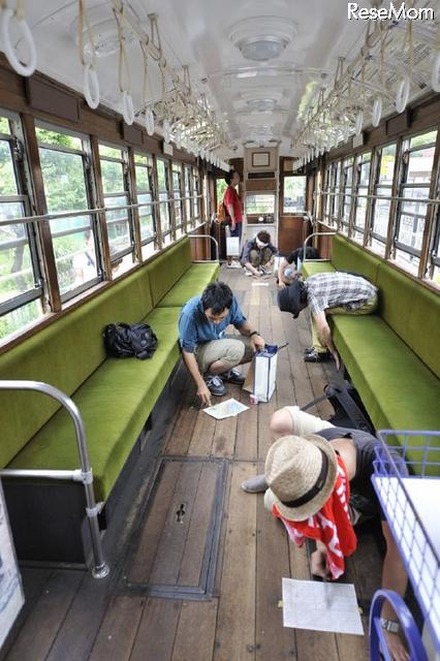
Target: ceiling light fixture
{"x":262,"y":46}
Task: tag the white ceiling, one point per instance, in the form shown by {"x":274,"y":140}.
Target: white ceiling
{"x":252,"y":103}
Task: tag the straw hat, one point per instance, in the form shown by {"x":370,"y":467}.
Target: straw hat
{"x":301,"y":473}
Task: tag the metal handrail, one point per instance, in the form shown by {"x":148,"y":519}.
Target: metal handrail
{"x":310,"y":236}
{"x":84,"y":474}
{"x":205,"y":236}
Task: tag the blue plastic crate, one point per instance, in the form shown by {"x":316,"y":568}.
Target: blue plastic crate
{"x":411,"y":504}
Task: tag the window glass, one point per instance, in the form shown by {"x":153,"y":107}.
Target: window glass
{"x":144,"y":192}
{"x":347,"y":179}
{"x":62,"y":159}
{"x":188,"y":197}
{"x":294,"y":199}
{"x":418,"y":159}
{"x":162,"y":180}
{"x":381,"y":203}
{"x":178,"y":198}
{"x":196,"y":196}
{"x":118,"y":217}
{"x":20,"y":275}
{"x":360,"y":201}
{"x":261,"y":204}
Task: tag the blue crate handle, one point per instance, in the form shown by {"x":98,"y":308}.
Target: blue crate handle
{"x":377,"y":635}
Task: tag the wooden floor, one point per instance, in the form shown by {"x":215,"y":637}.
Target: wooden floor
{"x":70,"y":616}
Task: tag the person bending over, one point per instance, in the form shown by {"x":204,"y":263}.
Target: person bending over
{"x":257,"y":256}
{"x":289,"y":267}
{"x":327,"y":293}
{"x":210,"y":355}
{"x":317,"y":480}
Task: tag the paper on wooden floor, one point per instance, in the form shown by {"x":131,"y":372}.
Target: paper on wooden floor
{"x":226,"y":409}
{"x":321,"y":606}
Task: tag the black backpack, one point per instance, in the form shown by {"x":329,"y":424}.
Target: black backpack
{"x":123,"y":340}
{"x":348,"y":407}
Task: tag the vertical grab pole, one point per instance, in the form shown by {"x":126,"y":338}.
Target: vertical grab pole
{"x":100,"y":568}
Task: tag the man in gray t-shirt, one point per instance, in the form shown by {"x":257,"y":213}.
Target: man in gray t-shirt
{"x":327,"y":293}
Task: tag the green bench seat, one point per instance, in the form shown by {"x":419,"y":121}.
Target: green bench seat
{"x":115,"y":397}
{"x":114,"y":402}
{"x":393,"y":356}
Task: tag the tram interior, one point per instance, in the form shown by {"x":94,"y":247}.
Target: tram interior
{"x":119,"y":120}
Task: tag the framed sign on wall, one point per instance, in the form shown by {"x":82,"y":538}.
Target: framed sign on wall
{"x":261,"y":159}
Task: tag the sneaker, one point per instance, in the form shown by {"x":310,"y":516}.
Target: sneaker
{"x":233,"y":376}
{"x":309,"y":350}
{"x":248,"y":273}
{"x":215,"y":385}
{"x":233,"y":265}
{"x":317,"y":356}
{"x":256,"y":484}
{"x":266,"y":270}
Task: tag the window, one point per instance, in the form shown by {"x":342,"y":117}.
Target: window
{"x":382,"y":191}
{"x":261,"y":205}
{"x":294,"y":198}
{"x":144,"y":192}
{"x":196,"y":197}
{"x":20,"y":277}
{"x":164,"y":198}
{"x":118,"y":217}
{"x":418,"y":159}
{"x":63,"y":160}
{"x":346,"y":189}
{"x":330,"y":206}
{"x":178,"y":199}
{"x":360,"y":200}
{"x":188,"y":199}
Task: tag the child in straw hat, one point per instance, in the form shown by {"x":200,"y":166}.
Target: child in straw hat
{"x":317,"y":481}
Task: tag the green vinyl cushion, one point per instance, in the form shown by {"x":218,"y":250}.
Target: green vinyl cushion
{"x":398,"y":390}
{"x":192,"y":283}
{"x":413,"y":312}
{"x":115,"y":403}
{"x":64,"y":354}
{"x":347,"y":256}
{"x":310,"y":267}
{"x":168,"y":267}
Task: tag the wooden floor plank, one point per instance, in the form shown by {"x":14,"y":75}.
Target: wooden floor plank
{"x":200,"y":518}
{"x":195,"y":635}
{"x":157,"y":630}
{"x":172,"y":538}
{"x":119,"y":628}
{"x":273,"y":641}
{"x":203,"y":434}
{"x":82,"y":622}
{"x":235,"y":636}
{"x":36,"y":637}
{"x":143,"y":560}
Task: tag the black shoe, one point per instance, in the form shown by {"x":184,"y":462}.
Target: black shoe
{"x":317,"y":356}
{"x":233,"y":376}
{"x":309,"y":350}
{"x":215,"y":385}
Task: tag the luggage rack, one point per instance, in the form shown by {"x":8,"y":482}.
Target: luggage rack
{"x":410,"y":505}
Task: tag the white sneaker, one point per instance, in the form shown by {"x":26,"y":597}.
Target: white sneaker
{"x":256,"y":484}
{"x":233,"y":265}
{"x":248,"y":273}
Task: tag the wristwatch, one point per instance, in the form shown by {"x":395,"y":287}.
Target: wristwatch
{"x":254,"y":333}
{"x":389,"y":625}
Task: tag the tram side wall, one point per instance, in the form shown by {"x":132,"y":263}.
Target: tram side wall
{"x":393,"y":356}
{"x":115,"y":396}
